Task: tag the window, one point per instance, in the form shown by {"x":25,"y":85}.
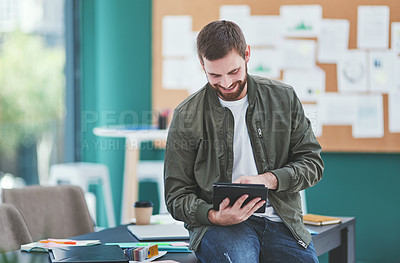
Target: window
{"x":32,"y":88}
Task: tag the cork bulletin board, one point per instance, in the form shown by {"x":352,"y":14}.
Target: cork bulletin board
{"x":333,"y":138}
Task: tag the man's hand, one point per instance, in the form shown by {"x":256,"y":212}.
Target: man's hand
{"x":268,"y":179}
{"x":231,"y":215}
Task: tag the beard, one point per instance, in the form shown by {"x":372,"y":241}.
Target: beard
{"x":231,"y":96}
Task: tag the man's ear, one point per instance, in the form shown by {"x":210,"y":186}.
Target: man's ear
{"x":247,"y":54}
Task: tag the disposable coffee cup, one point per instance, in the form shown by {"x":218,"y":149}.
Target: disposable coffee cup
{"x":143,"y":212}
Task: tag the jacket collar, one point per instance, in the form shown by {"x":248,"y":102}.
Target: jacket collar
{"x":251,"y":92}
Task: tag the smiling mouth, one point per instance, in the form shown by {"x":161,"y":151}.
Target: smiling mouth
{"x":231,"y":87}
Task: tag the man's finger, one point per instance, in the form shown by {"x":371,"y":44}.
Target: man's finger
{"x":239,"y":202}
{"x":224,"y":204}
{"x":251,"y":204}
{"x":257,"y":206}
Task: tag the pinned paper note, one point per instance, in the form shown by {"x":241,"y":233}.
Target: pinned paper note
{"x":333,"y":41}
{"x":301,"y":20}
{"x":394,"y":111}
{"x":308,"y":84}
{"x":369,"y":117}
{"x":266,"y":63}
{"x":235,"y":13}
{"x":395,"y":44}
{"x":176,"y":35}
{"x":261,"y":31}
{"x":381,"y":70}
{"x":299,"y":53}
{"x":352,"y":72}
{"x":373,"y":26}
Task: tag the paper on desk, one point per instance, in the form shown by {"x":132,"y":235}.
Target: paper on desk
{"x":44,"y":247}
{"x":162,"y":246}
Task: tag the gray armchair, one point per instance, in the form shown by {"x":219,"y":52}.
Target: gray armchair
{"x":51,"y":211}
{"x":13,"y":230}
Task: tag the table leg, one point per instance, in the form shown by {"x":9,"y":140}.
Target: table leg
{"x":130,"y":187}
{"x":345,"y":253}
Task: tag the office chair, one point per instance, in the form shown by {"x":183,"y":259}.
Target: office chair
{"x":13,"y":229}
{"x":51,"y":211}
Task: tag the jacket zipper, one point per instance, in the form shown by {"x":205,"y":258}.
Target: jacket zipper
{"x":259,"y":133}
{"x":299,"y":241}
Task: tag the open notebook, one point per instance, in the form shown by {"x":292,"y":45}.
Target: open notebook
{"x":159,"y":232}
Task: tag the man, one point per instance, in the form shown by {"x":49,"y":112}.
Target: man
{"x":243,"y":129}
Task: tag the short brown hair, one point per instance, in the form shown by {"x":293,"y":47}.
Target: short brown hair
{"x":218,"y":38}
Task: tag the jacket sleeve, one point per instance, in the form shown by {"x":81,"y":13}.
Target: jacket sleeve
{"x":305,"y":166}
{"x":180,"y":185}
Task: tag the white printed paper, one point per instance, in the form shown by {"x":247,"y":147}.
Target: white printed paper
{"x":333,"y":41}
{"x":263,"y":31}
{"x":396,"y":70}
{"x":299,"y":54}
{"x":369,"y":118}
{"x":395,"y":44}
{"x":352,"y":72}
{"x":235,"y":13}
{"x":394,"y":111}
{"x":265,"y":63}
{"x":373,"y":27}
{"x":175,"y":74}
{"x":337,"y":109}
{"x":301,"y":20}
{"x":311,"y":112}
{"x":308,"y":84}
{"x":381,"y":70}
{"x":176,"y":35}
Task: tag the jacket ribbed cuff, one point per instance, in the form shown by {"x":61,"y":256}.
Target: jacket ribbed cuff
{"x":202,"y":213}
{"x":284,"y":178}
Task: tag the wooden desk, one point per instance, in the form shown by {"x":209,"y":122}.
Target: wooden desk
{"x":338,"y":240}
{"x":133,"y":138}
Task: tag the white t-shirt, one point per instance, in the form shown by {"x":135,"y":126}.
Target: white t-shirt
{"x":243,"y":157}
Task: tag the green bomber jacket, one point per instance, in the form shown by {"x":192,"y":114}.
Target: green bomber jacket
{"x":199,"y":152}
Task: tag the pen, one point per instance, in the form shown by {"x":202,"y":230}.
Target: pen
{"x":58,"y":242}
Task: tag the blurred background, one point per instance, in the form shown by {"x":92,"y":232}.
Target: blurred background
{"x":69,"y":66}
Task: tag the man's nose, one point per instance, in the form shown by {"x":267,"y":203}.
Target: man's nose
{"x":226,"y":81}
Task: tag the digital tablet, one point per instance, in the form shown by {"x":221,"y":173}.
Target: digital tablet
{"x":233,"y":191}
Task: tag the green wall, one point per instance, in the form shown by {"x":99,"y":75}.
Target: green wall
{"x":365,"y":186}
{"x":116,"y":78}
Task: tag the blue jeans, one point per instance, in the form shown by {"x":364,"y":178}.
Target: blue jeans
{"x":255,"y":240}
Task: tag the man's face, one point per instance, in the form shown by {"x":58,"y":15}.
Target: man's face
{"x":227,"y":75}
